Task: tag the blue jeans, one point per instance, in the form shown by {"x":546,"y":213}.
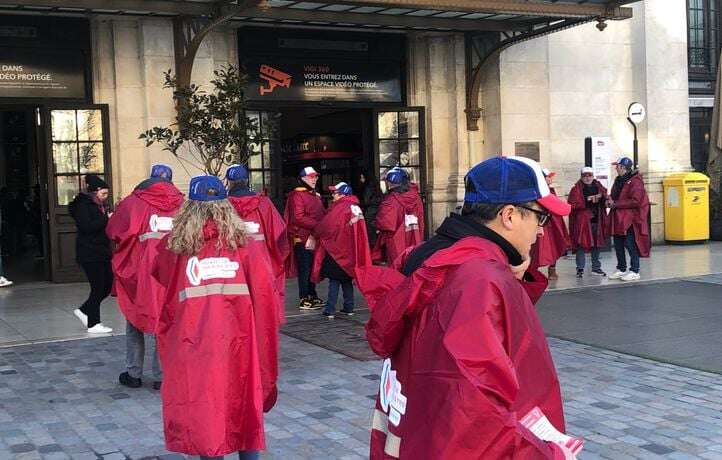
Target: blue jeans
{"x":333,"y":286}
{"x":242,"y":455}
{"x":304,"y":263}
{"x":582,"y":259}
{"x":626,"y":242}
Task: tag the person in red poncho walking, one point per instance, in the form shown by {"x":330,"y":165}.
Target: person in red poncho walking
{"x":554,"y":243}
{"x":400,"y":218}
{"x":218,"y":329}
{"x":588,"y":220}
{"x":139,"y":223}
{"x":263,"y":222}
{"x":343,"y":247}
{"x":465,"y":354}
{"x":629,"y":219}
{"x":304,"y":210}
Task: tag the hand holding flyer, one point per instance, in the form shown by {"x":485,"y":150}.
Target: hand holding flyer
{"x":540,"y":425}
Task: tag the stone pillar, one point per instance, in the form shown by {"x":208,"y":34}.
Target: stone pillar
{"x":665,"y":81}
{"x":130,"y":58}
{"x":437,"y":82}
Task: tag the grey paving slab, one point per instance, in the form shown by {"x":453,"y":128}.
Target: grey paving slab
{"x":677,"y":321}
{"x":62,"y":400}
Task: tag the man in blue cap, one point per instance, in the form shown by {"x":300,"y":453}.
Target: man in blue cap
{"x":629,"y":216}
{"x":400,"y":218}
{"x":465,"y":354}
{"x":136,"y":227}
{"x":263,"y":222}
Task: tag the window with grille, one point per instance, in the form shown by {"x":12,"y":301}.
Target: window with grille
{"x":703,"y":24}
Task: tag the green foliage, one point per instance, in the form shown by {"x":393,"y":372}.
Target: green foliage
{"x":211,"y":130}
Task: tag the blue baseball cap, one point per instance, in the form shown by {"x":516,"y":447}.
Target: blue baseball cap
{"x":161,"y":171}
{"x":342,"y":187}
{"x":625,"y":161}
{"x":236,"y":172}
{"x":511,"y":180}
{"x":396,"y":175}
{"x":206,"y":188}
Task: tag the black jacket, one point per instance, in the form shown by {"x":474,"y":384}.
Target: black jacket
{"x":91,"y":244}
{"x":452,"y":229}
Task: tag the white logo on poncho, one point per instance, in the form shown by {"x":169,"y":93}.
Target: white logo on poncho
{"x":411,"y":222}
{"x":357,"y":214}
{"x":198,"y":270}
{"x":392,"y":400}
{"x":160,"y":224}
{"x":252,"y":227}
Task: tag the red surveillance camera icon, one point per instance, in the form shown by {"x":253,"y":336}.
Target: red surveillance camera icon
{"x":275,"y":78}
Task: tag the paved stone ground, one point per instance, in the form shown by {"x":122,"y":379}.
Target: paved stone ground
{"x":61,"y":400}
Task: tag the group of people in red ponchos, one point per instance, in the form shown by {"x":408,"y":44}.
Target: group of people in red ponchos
{"x":467,"y":371}
{"x":333,"y":243}
{"x":597,"y":214}
{"x":205,"y":278}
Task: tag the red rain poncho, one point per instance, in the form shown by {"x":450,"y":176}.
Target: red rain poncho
{"x":218,"y":345}
{"x":342,"y":233}
{"x":258,"y":210}
{"x":467,"y":358}
{"x":136,"y":227}
{"x":631,"y":209}
{"x":553,"y":244}
{"x":400,"y":222}
{"x":580,"y":219}
{"x":304,"y":210}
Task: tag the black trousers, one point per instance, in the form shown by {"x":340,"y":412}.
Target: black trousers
{"x":304,"y":264}
{"x":100,"y":277}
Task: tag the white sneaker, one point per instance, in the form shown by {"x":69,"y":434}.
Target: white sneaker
{"x":99,"y":329}
{"x":617,"y":275}
{"x":81,"y":316}
{"x":630,"y":276}
{"x":4,"y":282}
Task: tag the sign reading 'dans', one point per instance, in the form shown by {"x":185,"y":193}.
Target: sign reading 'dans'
{"x":280,"y":79}
{"x":30,"y":73}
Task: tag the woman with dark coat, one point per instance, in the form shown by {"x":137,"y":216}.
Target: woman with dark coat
{"x":92,"y":249}
{"x":370,"y":196}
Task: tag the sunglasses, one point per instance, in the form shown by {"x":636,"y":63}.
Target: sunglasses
{"x":542,"y":217}
{"x":587,"y":175}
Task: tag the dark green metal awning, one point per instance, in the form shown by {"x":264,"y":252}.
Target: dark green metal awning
{"x":441,"y":15}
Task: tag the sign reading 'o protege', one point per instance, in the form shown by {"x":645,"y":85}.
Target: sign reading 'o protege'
{"x":31,"y":73}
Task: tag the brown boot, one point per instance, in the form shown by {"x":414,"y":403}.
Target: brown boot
{"x":553,"y":274}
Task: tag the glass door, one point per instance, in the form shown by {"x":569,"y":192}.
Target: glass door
{"x":76,"y":138}
{"x":264,"y":162}
{"x":399,"y":140}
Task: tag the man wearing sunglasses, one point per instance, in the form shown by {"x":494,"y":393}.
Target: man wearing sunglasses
{"x":465,"y":354}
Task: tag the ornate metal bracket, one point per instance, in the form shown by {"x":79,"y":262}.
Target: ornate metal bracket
{"x":482,"y":48}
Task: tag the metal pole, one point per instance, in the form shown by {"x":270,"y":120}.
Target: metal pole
{"x":635,"y":144}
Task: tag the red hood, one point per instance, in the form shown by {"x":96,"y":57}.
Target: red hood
{"x":244,"y":205}
{"x":161,"y":195}
{"x":349,"y":199}
{"x":408,"y":199}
